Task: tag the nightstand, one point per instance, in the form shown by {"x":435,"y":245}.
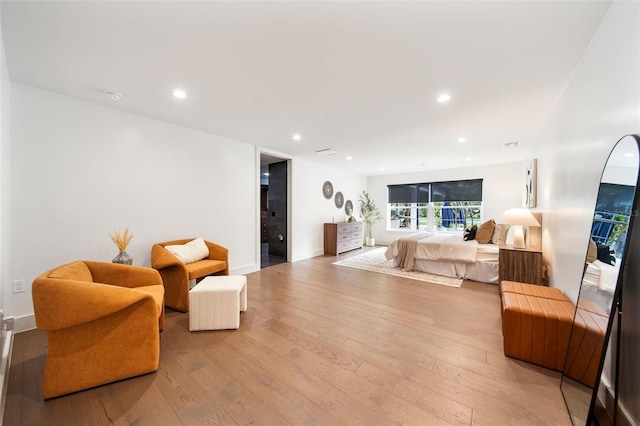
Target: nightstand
{"x":521,"y":265}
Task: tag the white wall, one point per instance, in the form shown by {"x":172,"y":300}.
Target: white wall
{"x":4,"y":178}
{"x":600,"y":104}
{"x":502,"y":188}
{"x":80,"y":171}
{"x":311,"y":209}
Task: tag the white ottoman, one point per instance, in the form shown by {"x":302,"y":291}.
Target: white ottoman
{"x":215,"y":302}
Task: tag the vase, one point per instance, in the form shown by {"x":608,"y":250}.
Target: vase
{"x":123,"y":258}
{"x":370,"y":241}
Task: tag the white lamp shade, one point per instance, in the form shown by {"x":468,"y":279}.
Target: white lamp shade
{"x":518,"y":218}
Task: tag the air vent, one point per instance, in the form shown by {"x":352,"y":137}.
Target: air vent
{"x":510,"y":145}
{"x":113,"y":95}
{"x":326,"y":151}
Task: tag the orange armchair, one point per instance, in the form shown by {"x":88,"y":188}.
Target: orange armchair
{"x":102,"y":322}
{"x":176,"y":274}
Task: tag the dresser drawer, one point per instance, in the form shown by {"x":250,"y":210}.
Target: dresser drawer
{"x":348,"y":245}
{"x":344,"y":229}
{"x":341,"y":237}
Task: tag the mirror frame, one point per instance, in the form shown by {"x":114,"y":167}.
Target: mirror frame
{"x":615,"y":313}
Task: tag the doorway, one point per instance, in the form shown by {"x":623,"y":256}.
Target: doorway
{"x":273,"y":210}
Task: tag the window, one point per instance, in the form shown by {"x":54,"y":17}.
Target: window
{"x":611,"y":219}
{"x":452,"y":205}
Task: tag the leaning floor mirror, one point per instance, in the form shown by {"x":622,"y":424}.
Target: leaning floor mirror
{"x":601,"y":376}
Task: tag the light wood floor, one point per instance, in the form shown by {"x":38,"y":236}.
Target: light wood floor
{"x":319,"y":345}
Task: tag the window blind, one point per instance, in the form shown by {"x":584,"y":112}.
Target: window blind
{"x":459,"y":190}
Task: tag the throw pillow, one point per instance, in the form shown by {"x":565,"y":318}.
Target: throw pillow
{"x":606,"y":254}
{"x":470,"y":233}
{"x":485,"y":231}
{"x":500,"y":233}
{"x":190,"y":252}
{"x":592,"y":251}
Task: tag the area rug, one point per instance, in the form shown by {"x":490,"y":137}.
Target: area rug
{"x":374,"y":261}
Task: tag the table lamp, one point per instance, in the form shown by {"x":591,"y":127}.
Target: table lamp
{"x":518,"y":218}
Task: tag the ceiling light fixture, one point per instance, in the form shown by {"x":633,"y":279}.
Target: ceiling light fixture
{"x":510,"y":145}
{"x":444,"y":97}
{"x":349,"y":157}
{"x":179,"y":94}
{"x":113,"y":95}
{"x":297,"y":137}
{"x":462,"y":140}
{"x":469,"y":158}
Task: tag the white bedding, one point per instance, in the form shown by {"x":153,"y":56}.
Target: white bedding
{"x":599,"y":283}
{"x":440,"y":247}
{"x":449,"y":255}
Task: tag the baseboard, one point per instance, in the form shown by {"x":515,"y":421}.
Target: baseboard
{"x":6,"y":347}
{"x":243,"y":270}
{"x":622,"y":417}
{"x":25,"y":323}
{"x":308,"y":255}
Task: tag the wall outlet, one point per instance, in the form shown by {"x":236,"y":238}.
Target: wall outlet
{"x":18,"y":286}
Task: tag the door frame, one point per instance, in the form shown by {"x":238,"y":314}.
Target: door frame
{"x":272,"y":157}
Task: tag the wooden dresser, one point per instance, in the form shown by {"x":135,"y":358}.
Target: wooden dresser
{"x":520,"y":265}
{"x":341,"y":237}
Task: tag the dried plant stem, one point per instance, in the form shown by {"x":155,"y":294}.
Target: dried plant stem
{"x":122,"y":241}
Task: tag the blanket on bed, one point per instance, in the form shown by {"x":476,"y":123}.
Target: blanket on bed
{"x":406,"y":250}
{"x":430,"y":246}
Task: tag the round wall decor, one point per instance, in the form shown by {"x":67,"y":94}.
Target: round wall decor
{"x":327,"y":190}
{"x":348,"y":207}
{"x":339,"y":199}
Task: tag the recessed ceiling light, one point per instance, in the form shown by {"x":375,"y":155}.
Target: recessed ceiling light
{"x":179,"y":94}
{"x":468,"y":158}
{"x":349,"y":157}
{"x":382,"y":169}
{"x":297,"y":137}
{"x":462,"y":140}
{"x":113,"y":95}
{"x":444,"y":97}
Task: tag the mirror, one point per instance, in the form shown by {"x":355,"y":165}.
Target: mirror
{"x":590,"y":377}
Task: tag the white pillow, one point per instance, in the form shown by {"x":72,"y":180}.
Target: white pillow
{"x":500,"y":233}
{"x":191,"y":252}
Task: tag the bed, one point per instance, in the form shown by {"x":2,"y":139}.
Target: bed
{"x":599,"y":283}
{"x":446,"y":254}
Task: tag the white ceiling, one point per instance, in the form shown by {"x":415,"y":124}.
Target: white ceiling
{"x":358,"y":77}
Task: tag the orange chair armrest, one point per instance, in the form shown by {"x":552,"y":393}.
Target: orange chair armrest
{"x":217,"y":252}
{"x":123,"y":275}
{"x":161,"y":258}
{"x":60,"y":303}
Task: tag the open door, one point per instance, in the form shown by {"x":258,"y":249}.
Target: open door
{"x":274,"y":203}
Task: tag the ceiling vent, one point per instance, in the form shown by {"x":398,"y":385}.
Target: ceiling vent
{"x":326,"y":151}
{"x":510,"y":145}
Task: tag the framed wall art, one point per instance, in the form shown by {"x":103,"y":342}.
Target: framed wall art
{"x":531,"y":174}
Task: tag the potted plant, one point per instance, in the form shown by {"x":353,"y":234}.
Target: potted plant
{"x":370,"y":216}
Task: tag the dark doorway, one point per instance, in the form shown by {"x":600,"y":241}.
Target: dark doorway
{"x":273,"y":211}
